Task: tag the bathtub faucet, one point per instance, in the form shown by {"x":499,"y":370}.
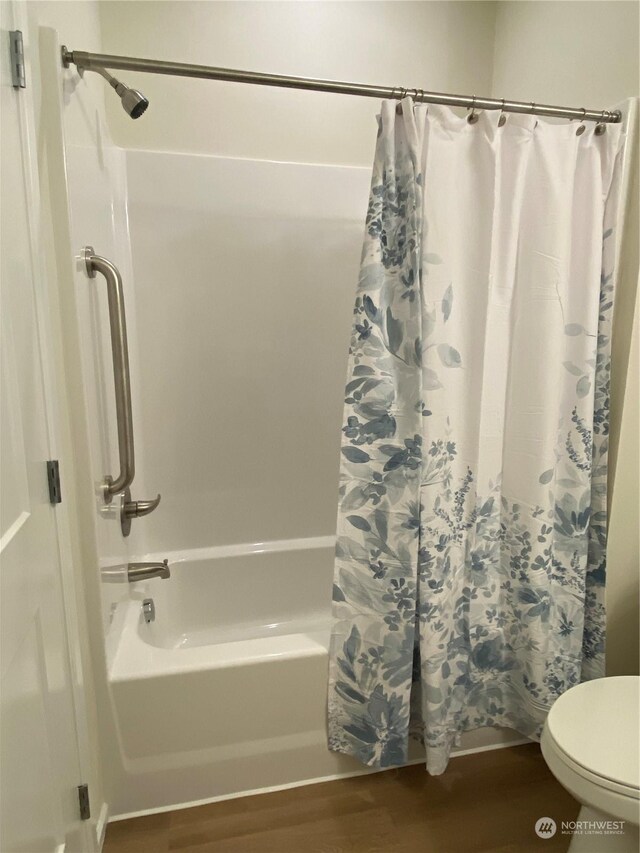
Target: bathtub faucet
{"x":144,"y":571}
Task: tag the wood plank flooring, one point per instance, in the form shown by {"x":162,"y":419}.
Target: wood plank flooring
{"x":485,"y":802}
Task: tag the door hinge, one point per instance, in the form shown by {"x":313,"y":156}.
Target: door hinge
{"x":83,"y":800}
{"x":53,"y":475}
{"x":16,"y":52}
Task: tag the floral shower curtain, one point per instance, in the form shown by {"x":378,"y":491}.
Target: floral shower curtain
{"x":470,"y":558}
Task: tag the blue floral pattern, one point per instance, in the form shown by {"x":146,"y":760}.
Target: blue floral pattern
{"x":453,"y":609}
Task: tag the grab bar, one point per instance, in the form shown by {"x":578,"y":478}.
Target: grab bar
{"x":121,"y":377}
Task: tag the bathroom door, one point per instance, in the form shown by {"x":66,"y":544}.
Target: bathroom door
{"x":40,"y":767}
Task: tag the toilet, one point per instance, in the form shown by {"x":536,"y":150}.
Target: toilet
{"x":591,"y":744}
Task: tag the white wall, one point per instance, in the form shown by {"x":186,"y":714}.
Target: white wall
{"x":624,"y":533}
{"x":586,"y":54}
{"x":571,"y":52}
{"x":445,"y":46}
{"x":243,"y":277}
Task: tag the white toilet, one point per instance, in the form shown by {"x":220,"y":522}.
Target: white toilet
{"x":591,"y":743}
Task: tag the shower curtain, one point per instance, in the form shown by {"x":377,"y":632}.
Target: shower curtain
{"x":470,"y":556}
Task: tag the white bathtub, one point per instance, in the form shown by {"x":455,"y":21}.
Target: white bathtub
{"x":229,"y":606}
{"x":224,"y":693}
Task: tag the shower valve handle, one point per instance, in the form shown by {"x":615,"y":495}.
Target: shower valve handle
{"x":134,"y":509}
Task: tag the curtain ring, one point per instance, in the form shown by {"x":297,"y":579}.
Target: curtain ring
{"x":472,"y":118}
{"x":423,"y":100}
{"x":396,"y":92}
{"x":402,"y":94}
{"x":601,"y":127}
{"x":581,"y":128}
{"x":503,"y":119}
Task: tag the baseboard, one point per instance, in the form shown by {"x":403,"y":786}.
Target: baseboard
{"x":101,"y":825}
{"x":316,"y":781}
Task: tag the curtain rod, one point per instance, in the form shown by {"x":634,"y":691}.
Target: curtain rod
{"x":94,"y":61}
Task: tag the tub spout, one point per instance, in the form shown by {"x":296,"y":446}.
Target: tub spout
{"x":144,"y":571}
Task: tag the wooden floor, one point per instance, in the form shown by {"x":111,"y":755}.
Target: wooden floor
{"x":484,"y":802}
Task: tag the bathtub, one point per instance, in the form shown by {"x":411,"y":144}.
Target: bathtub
{"x":224,"y":693}
{"x":228,"y":606}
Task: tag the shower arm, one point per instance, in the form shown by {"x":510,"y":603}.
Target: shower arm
{"x":108,"y":77}
{"x":133,"y":102}
{"x":98,"y":61}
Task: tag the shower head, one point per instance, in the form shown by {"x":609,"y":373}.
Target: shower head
{"x":134,"y":102}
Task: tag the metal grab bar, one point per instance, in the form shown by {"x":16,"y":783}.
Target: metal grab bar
{"x":121,"y":376}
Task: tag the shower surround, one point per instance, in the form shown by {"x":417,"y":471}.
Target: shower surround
{"x":239,"y":278}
